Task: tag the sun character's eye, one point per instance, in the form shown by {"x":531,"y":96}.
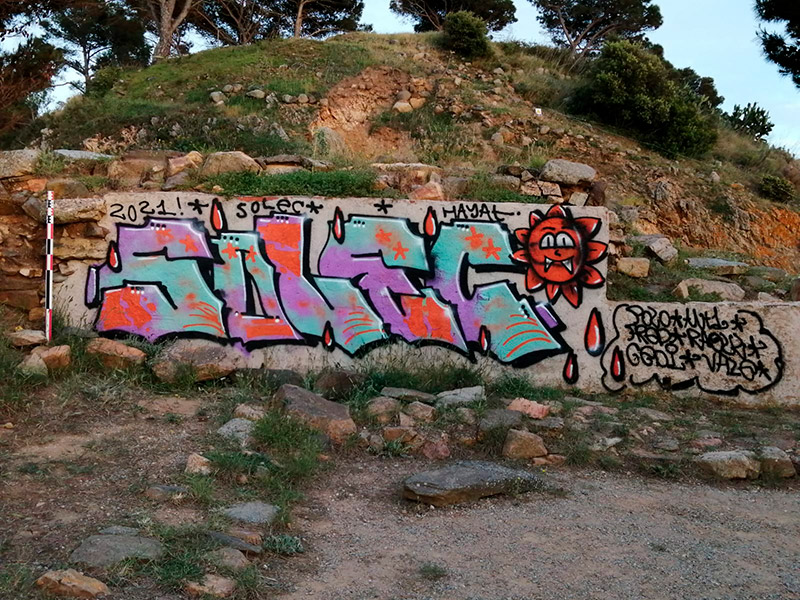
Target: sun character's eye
{"x":547,"y":241}
{"x":564,"y":241}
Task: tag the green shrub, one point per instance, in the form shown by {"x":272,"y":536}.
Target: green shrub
{"x":334,"y":184}
{"x":465,"y":34}
{"x":632,"y":89}
{"x":776,"y":188}
{"x":103,"y":81}
{"x":751,"y":120}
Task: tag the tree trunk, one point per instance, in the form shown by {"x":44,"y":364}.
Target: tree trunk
{"x":298,"y":21}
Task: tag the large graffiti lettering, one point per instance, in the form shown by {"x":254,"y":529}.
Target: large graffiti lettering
{"x":720,"y":349}
{"x":376,"y":279}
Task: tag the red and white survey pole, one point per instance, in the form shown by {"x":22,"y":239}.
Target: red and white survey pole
{"x":48,"y":273}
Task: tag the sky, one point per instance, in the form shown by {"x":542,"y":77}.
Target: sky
{"x":716,"y":38}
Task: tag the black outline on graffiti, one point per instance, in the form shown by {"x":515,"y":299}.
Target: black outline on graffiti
{"x":667,"y":383}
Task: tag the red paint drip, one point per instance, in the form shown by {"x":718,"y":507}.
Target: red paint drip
{"x":327,"y":336}
{"x":595,"y":338}
{"x":338,"y":225}
{"x":484,"y":339}
{"x":431,"y":225}
{"x":113,"y":256}
{"x":617,"y":365}
{"x":217,"y":216}
{"x":571,"y":369}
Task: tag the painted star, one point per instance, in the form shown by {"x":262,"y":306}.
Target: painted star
{"x":399,"y":251}
{"x":230,"y":251}
{"x":491,"y":250}
{"x":475,"y":240}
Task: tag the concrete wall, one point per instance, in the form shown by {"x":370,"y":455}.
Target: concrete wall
{"x":310,"y":282}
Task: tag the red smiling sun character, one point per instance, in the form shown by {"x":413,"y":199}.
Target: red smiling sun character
{"x":559,"y":251}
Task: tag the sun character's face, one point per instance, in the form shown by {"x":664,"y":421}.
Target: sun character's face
{"x":555,"y":250}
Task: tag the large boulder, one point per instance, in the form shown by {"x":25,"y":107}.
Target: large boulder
{"x":75,"y":210}
{"x":72,"y":584}
{"x":460,"y":397}
{"x":465,"y":481}
{"x":336,"y":384}
{"x":114,"y":354}
{"x":719,"y":266}
{"x":634,"y":267}
{"x":730,"y":464}
{"x":659,"y":245}
{"x":725,"y":290}
{"x":330,"y":418}
{"x":204,"y":359}
{"x":229,"y":162}
{"x":181,"y":164}
{"x":567,"y":172}
{"x":107,"y":550}
{"x":776,"y":462}
{"x":67,"y":188}
{"x":18,"y":163}
{"x":329,"y":142}
{"x":26,"y":337}
{"x":130,"y":171}
{"x":256,"y":512}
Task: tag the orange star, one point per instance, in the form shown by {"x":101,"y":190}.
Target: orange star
{"x":189,"y":244}
{"x":230,"y":251}
{"x":475,"y":240}
{"x":251,"y":254}
{"x":383,"y":237}
{"x":491,"y":250}
{"x":399,"y":251}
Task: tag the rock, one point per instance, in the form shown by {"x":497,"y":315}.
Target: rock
{"x":338,"y":383}
{"x":211,"y":585}
{"x":547,"y":425}
{"x":726,"y":291}
{"x":435,"y":446}
{"x":402,"y":107}
{"x":659,"y":245}
{"x":464,"y":481}
{"x":794,"y":291}
{"x":533,"y":409}
{"x":165,"y":492}
{"x":567,"y":173}
{"x":55,"y":357}
{"x":383,"y":409}
{"x":258,"y":513}
{"x":182,"y":164}
{"x":229,"y":162}
{"x":197,"y":465}
{"x":67,"y":188}
{"x":107,"y":550}
{"x":523,"y":445}
{"x":498,"y":139}
{"x":634,"y":267}
{"x":76,"y":210}
{"x":430,"y":191}
{"x":730,"y":464}
{"x":714,"y":177}
{"x":404,"y":177}
{"x":417,"y":103}
{"x":549,"y":189}
{"x":249,"y":412}
{"x":72,"y":155}
{"x":26,"y":337}
{"x":257,"y":94}
{"x":114,"y":354}
{"x":669,"y":444}
{"x":420,"y":412}
{"x":131,"y":171}
{"x":579,"y":199}
{"x":403,"y":96}
{"x":329,"y":142}
{"x":506,"y":182}
{"x":228,"y":558}
{"x":34,"y":208}
{"x":776,"y":462}
{"x":331,"y":418}
{"x":405,"y":435}
{"x":772,"y":274}
{"x":33,"y":365}
{"x":719,"y":266}
{"x":18,"y":163}
{"x":217,"y":97}
{"x":653,"y":415}
{"x":467,"y":416}
{"x":499,"y":418}
{"x":206,"y":360}
{"x":73,"y":584}
{"x":250,"y":536}
{"x":407,"y":395}
{"x":460,"y":396}
{"x":237,"y":429}
{"x":119,"y":530}
{"x":236,"y":542}
{"x":605,"y":443}
{"x":80,"y":248}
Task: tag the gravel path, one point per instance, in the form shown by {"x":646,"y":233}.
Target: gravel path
{"x":611,"y":536}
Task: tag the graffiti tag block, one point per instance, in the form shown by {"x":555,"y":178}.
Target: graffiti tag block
{"x":352,"y":275}
{"x":721,"y":349}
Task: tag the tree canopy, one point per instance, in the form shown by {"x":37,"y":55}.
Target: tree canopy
{"x":584,"y":25}
{"x":235,"y":22}
{"x":430,"y":14}
{"x":782,"y":48}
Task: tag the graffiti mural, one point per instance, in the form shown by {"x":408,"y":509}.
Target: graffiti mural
{"x":720,"y":349}
{"x":451,"y":277}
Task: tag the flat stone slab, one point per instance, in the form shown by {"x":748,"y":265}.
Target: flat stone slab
{"x":461,"y":396}
{"x":408,"y":395}
{"x":464,"y":481}
{"x":252,"y":512}
{"x":107,"y":550}
{"x":238,"y":429}
{"x":234,"y":542}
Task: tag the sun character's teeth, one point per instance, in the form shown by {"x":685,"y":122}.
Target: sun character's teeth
{"x":568,"y":264}
{"x":547,"y":263}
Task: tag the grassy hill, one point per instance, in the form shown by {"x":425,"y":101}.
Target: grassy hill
{"x":708,"y":203}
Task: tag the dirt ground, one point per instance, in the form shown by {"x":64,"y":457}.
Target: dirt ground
{"x":606,"y":536}
{"x":609,"y":536}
